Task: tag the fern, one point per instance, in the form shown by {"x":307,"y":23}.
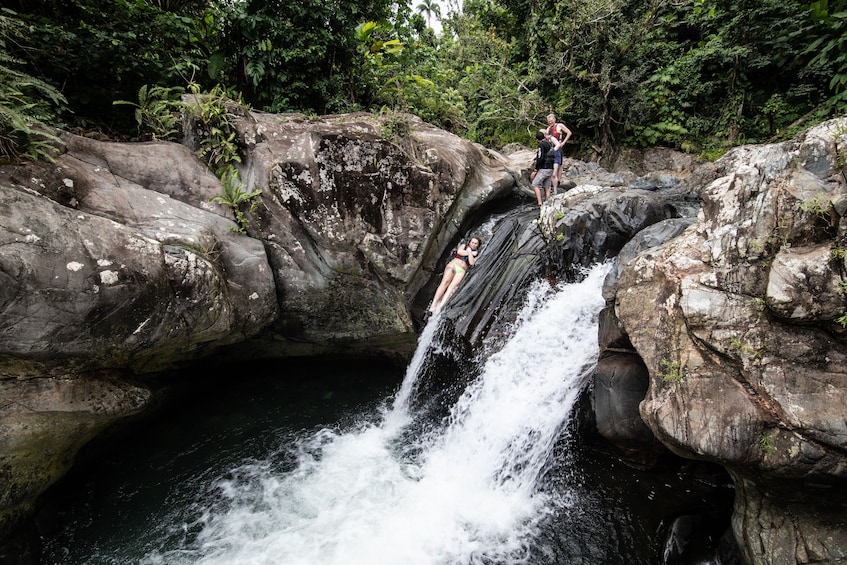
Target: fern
{"x":156,"y":112}
{"x":26,"y":104}
{"x":235,"y":196}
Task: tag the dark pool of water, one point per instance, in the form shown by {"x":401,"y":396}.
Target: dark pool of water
{"x":129,"y":482}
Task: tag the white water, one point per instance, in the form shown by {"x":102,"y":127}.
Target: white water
{"x":467,"y":496}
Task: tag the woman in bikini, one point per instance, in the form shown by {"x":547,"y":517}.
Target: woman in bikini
{"x":454,"y":272}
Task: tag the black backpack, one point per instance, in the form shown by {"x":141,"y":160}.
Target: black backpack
{"x":547,"y":155}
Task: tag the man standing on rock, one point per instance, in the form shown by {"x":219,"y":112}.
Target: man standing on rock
{"x":558,"y":134}
{"x":542,"y":174}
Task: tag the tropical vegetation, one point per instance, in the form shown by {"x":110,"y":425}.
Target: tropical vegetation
{"x":698,"y":75}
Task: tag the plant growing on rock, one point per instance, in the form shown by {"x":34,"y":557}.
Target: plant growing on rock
{"x":670,"y":371}
{"x":235,"y":196}
{"x":214,"y":119}
{"x":823,"y":214}
{"x":207,"y":252}
{"x":766,"y":443}
{"x":746,"y":349}
{"x":817,"y":206}
{"x":156,"y":112}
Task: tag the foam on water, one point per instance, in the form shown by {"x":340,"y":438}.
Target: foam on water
{"x":468,"y":495}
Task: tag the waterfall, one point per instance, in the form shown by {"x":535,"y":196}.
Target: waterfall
{"x":465,"y":492}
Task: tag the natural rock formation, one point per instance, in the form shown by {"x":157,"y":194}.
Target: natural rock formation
{"x":735,"y":322}
{"x":354,"y":223}
{"x":621,"y":378}
{"x":103,"y":272}
{"x":114,"y":264}
{"x":719,"y":342}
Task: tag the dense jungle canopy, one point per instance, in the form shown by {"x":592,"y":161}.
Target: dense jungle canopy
{"x":698,"y":75}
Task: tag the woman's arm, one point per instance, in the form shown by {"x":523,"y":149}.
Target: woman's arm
{"x":466,"y":251}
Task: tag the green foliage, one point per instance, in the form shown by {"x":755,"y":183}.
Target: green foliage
{"x":158,"y":114}
{"x":830,"y":48}
{"x":407,"y":77}
{"x":698,"y":75}
{"x":591,"y":59}
{"x":501,"y":107}
{"x":817,"y":206}
{"x":824,"y":218}
{"x":286,"y":56}
{"x":670,"y":371}
{"x":669,"y":117}
{"x":383,"y":58}
{"x":213,"y":115}
{"x":236,"y":197}
{"x":100,"y":51}
{"x":712,"y":154}
{"x":766,"y":443}
{"x":27,"y":104}
{"x":746,"y":349}
{"x":157,"y":111}
{"x":214,"y":127}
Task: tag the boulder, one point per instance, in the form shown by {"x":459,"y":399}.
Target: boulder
{"x":355,"y":212}
{"x":734,"y":321}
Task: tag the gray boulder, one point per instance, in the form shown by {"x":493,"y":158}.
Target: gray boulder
{"x":355,"y":213}
{"x":734,"y":321}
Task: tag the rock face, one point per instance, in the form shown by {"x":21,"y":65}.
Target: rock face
{"x":735,"y":323}
{"x":114,"y":264}
{"x":354,"y":223}
{"x":101,"y":272}
{"x":719,"y":341}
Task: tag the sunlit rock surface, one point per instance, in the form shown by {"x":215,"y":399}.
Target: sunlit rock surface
{"x":735,"y":322}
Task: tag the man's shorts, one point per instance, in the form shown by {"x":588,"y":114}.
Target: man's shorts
{"x":557,"y":157}
{"x":543,"y":178}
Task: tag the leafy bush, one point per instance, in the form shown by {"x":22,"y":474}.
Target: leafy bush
{"x":157,"y":112}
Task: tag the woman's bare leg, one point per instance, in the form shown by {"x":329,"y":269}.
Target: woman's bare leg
{"x":442,"y":288}
{"x":457,"y":278}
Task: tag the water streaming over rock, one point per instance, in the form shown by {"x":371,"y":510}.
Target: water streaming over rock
{"x":465,"y":492}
